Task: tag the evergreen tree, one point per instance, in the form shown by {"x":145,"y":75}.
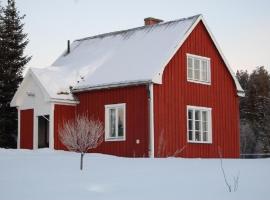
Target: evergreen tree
{"x":243,"y":78}
{"x":259,"y":107}
{"x":12,"y":61}
{"x":255,"y":111}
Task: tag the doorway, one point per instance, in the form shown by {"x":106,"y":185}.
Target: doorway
{"x":43,"y":131}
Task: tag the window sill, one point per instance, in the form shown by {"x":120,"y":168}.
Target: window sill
{"x":114,"y":139}
{"x":199,"y":82}
{"x":200,"y":142}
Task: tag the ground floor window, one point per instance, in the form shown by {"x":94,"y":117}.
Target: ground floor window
{"x":199,"y":124}
{"x":115,"y":122}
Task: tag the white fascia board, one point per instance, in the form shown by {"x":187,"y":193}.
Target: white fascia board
{"x":29,"y":73}
{"x":13,"y":102}
{"x":43,"y":89}
{"x":240,"y":91}
{"x":158,"y":77}
{"x":19,"y":129}
{"x":111,"y":85}
{"x":151,"y":122}
{"x":51,"y":128}
{"x":64,"y":101}
{"x":35,"y":130}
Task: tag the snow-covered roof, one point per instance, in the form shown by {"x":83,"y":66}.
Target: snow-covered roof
{"x":132,"y":56}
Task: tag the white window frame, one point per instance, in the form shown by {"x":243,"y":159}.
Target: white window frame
{"x":208,"y":72}
{"x":107,"y":121}
{"x":209,"y":115}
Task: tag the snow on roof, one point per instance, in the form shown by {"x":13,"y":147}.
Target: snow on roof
{"x":57,"y":81}
{"x":127,"y":56}
{"x":131,"y":56}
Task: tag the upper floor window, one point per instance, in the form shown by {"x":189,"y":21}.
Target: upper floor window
{"x":198,"y":69}
{"x":199,"y":124}
{"x":115,"y":122}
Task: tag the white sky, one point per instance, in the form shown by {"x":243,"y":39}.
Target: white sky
{"x":241,"y":27}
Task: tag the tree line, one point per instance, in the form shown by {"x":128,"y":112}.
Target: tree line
{"x":12,"y":61}
{"x":255,"y":111}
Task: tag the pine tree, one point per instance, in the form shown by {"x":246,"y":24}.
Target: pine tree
{"x":243,"y":78}
{"x":255,"y":111}
{"x":12,"y":61}
{"x":258,"y":105}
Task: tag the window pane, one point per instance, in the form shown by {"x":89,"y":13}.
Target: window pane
{"x":190,"y":73}
{"x":197,"y":125}
{"x":196,"y":69}
{"x":204,"y":76}
{"x":196,"y":74}
{"x":190,"y":62}
{"x":205,"y":126}
{"x":190,"y":125}
{"x":197,"y":136}
{"x":112,"y":127}
{"x":190,"y":114}
{"x":190,"y":68}
{"x":120,"y":122}
{"x":196,"y":64}
{"x":204,"y":70}
{"x":197,"y":115}
{"x":190,"y":135}
{"x":204,"y":65}
{"x":204,"y":116}
{"x":205,"y":136}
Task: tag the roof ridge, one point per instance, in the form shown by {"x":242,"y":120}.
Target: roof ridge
{"x":136,"y":28}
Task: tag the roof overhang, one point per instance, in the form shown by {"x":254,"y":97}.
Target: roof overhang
{"x":111,"y":85}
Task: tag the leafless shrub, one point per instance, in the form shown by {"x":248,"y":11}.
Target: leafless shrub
{"x":236,"y":182}
{"x":179,"y":151}
{"x":161,"y":145}
{"x":235,"y":178}
{"x":81,"y":134}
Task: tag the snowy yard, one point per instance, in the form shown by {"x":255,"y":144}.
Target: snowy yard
{"x":55,"y":175}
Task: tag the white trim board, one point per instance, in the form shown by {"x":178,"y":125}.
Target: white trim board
{"x":151,"y":122}
{"x":19,"y":129}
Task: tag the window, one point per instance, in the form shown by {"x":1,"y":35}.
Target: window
{"x":115,"y":122}
{"x":199,"y":120}
{"x":198,"y":69}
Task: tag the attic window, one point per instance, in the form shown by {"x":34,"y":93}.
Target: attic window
{"x":198,"y":69}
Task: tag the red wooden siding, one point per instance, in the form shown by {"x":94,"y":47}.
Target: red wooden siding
{"x":93,"y":104}
{"x":172,"y":97}
{"x":62,"y":113}
{"x":26,"y":129}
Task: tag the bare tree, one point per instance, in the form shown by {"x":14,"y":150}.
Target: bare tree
{"x":235,"y":178}
{"x":81,"y":134}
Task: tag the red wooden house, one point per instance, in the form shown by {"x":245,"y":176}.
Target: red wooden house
{"x":162,"y":89}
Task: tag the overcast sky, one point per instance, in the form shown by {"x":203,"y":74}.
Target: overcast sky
{"x":241,"y":27}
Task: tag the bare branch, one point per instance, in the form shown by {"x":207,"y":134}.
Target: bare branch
{"x":179,"y":151}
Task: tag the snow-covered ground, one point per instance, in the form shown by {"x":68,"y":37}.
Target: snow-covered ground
{"x":55,"y":175}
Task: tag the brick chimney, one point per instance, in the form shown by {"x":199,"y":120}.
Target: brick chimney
{"x":151,"y":21}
